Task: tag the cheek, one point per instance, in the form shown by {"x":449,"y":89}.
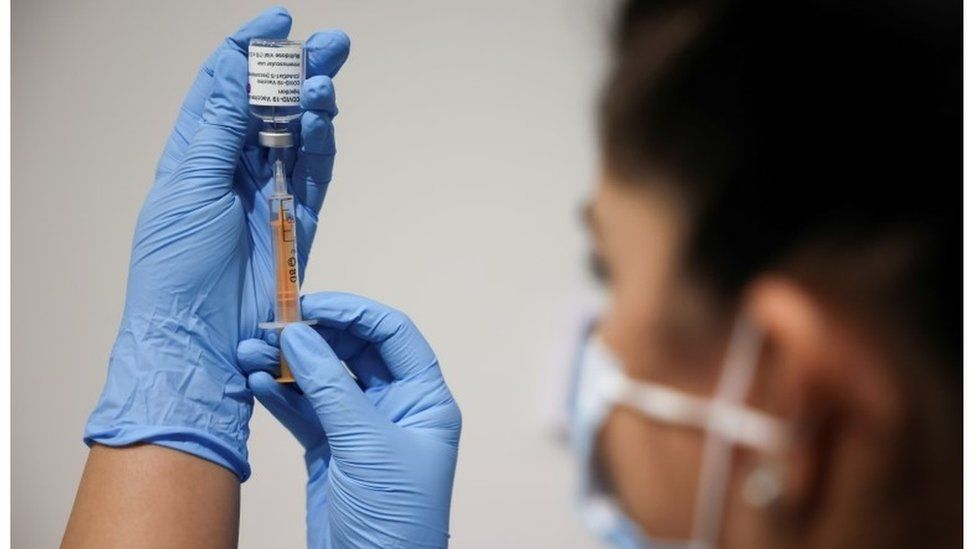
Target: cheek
{"x":637,"y":331}
{"x":626,"y":326}
{"x":653,"y":470}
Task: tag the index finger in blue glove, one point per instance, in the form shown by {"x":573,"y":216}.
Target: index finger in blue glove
{"x":313,"y":167}
{"x":325,"y":51}
{"x":396,"y":339}
{"x":211,"y":157}
{"x":272,"y":23}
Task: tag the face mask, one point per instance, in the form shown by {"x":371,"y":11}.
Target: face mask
{"x":600,"y":384}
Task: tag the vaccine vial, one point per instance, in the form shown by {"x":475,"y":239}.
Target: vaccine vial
{"x":275,"y":72}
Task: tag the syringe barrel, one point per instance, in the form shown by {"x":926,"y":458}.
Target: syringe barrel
{"x":283,"y":235}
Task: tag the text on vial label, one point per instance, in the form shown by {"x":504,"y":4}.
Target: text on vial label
{"x":274,"y":75}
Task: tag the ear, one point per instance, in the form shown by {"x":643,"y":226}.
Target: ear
{"x":827,"y":379}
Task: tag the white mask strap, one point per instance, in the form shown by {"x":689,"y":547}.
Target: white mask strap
{"x":664,"y":404}
{"x":736,"y":379}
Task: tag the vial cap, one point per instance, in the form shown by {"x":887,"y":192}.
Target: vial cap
{"x":275,"y":139}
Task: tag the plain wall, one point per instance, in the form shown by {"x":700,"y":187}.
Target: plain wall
{"x":465,"y":150}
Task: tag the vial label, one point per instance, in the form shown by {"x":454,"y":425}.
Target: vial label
{"x":274,"y":75}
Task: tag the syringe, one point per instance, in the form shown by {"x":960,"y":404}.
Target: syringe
{"x":276,"y":70}
{"x":288,"y":308}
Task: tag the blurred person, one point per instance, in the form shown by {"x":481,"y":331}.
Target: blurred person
{"x":777,"y":224}
{"x":778,"y":229}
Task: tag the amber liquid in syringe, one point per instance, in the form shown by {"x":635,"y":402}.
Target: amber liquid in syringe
{"x":283,"y":240}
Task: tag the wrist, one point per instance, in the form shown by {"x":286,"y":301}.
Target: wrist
{"x":183,"y":397}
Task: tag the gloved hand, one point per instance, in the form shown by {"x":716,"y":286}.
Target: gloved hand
{"x":200,"y":277}
{"x":381,"y":448}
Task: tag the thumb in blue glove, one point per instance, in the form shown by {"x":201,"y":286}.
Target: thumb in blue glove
{"x":381,"y":444}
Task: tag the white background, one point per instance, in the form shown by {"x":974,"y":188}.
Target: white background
{"x":465,"y":149}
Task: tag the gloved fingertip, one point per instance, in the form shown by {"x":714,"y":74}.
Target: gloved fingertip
{"x":261,"y":382}
{"x":255,"y":355}
{"x":276,"y":12}
{"x":327,"y":50}
{"x":273,"y":22}
{"x":335,"y":40}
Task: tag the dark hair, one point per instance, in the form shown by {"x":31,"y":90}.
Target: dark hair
{"x":822,"y":137}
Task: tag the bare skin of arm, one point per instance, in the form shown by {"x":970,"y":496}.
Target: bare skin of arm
{"x":149,"y":496}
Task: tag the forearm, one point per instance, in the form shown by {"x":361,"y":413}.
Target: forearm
{"x":150,"y":496}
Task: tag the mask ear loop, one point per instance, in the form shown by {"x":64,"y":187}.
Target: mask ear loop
{"x":734,"y":384}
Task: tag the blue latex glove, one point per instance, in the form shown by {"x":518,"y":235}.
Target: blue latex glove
{"x":200,"y":277}
{"x":381,"y":448}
